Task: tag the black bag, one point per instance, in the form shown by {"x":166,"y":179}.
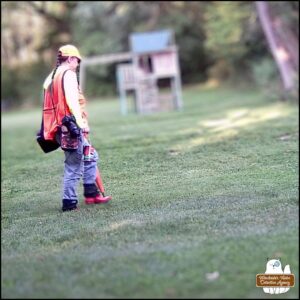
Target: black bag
{"x":46,"y":145}
{"x":68,"y":142}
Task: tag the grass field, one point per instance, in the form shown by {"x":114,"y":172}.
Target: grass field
{"x":201,"y":199}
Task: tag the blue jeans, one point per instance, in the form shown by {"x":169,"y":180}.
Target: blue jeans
{"x":74,"y":168}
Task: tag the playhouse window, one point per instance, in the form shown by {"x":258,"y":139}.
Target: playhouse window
{"x":145,"y":63}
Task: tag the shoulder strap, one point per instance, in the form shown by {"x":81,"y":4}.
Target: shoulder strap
{"x":51,"y":95}
{"x":51,"y":92}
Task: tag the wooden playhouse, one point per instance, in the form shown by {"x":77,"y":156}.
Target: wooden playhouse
{"x":153,"y":76}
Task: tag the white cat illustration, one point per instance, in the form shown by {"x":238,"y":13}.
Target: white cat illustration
{"x":274,"y":267}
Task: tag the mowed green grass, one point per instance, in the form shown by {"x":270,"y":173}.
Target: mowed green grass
{"x":211,"y":188}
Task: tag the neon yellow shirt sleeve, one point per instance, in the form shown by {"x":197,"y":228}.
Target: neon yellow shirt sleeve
{"x":72,"y":96}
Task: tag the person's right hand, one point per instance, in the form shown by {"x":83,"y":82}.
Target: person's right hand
{"x":86,"y":130}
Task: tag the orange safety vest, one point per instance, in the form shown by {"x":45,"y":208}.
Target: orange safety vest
{"x":55,"y":107}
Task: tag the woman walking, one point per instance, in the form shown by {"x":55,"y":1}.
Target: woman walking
{"x":65,"y":120}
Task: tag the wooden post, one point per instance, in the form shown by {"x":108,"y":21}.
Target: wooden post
{"x":122,"y":91}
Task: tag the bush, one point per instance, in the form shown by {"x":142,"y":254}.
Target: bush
{"x":10,"y":95}
{"x":222,"y":70}
{"x":22,"y":86}
{"x":100,"y":81}
{"x":31,"y":80}
{"x":265,"y":76}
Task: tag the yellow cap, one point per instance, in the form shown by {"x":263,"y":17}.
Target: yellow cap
{"x":69,"y":50}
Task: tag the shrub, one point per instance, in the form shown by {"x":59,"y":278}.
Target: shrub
{"x":22,"y":86}
{"x":10,"y":95}
{"x":265,"y":76}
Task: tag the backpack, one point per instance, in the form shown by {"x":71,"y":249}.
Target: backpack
{"x":46,"y":145}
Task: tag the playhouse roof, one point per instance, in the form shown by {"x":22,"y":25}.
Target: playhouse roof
{"x":151,"y":41}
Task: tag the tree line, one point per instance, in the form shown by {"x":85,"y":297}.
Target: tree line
{"x":230,"y":41}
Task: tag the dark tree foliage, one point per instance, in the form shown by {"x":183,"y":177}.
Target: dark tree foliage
{"x":216,"y":39}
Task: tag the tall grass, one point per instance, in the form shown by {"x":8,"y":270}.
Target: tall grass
{"x":201,"y":198}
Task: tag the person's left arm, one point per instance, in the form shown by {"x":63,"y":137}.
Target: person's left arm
{"x":72,"y":93}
